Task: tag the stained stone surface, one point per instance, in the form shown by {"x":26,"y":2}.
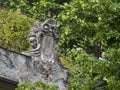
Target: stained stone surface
{"x":39,"y":64}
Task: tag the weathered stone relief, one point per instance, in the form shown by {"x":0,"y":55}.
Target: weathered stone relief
{"x":39,"y":64}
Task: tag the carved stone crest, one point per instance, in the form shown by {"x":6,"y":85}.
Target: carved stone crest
{"x":39,"y":64}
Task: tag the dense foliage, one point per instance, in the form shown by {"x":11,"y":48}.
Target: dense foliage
{"x":14,"y":28}
{"x":87,"y":28}
{"x":35,"y":86}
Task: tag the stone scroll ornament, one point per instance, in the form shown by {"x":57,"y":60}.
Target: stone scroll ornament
{"x":39,"y":64}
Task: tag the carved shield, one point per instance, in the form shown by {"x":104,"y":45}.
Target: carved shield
{"x":47,"y":52}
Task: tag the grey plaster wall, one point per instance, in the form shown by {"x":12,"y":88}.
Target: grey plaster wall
{"x":14,"y":66}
